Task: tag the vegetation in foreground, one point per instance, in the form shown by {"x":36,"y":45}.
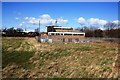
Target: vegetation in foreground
{"x":26,"y":58}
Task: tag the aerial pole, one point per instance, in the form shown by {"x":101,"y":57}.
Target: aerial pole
{"x":56,"y":22}
{"x":39,"y":32}
{"x":39,"y":26}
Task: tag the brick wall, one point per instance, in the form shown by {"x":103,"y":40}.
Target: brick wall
{"x":58,"y":30}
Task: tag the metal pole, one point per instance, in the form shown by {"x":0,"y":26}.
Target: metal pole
{"x":56,"y":22}
{"x":39,"y":26}
{"x":39,"y":32}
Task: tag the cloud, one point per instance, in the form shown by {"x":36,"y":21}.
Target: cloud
{"x":91,"y":21}
{"x":21,"y":24}
{"x":45,"y":16}
{"x":97,"y":21}
{"x":81,"y":20}
{"x":26,"y":18}
{"x":116,"y":21}
{"x":102,"y":22}
{"x":62,"y":21}
{"x":17,"y":18}
{"x":44,"y":19}
{"x":33,"y":20}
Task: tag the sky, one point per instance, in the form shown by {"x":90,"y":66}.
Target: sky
{"x":26,"y":15}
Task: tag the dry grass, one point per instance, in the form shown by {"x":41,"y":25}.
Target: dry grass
{"x":25,"y":58}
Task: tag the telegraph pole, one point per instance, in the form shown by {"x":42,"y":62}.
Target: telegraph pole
{"x":39,"y":26}
{"x":39,"y":32}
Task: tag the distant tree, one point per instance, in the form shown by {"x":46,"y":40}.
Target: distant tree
{"x":82,"y":29}
{"x":110,"y":29}
{"x":37,"y":30}
{"x":118,"y":31}
{"x":79,"y":29}
{"x":85,"y":28}
{"x":19,"y":30}
{"x":10,"y":31}
{"x":98,"y":33}
{"x":88,"y":31}
{"x":4,"y":30}
{"x":110,"y":25}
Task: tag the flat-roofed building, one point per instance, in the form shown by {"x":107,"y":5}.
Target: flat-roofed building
{"x":64,"y":34}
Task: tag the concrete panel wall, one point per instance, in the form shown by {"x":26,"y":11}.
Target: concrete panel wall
{"x":69,"y":38}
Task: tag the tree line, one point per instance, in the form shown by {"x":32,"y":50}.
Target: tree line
{"x":111,"y":30}
{"x":11,"y":32}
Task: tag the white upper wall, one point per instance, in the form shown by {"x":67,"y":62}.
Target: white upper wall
{"x":72,"y":33}
{"x":63,"y":27}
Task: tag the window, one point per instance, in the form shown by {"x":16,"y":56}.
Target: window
{"x":81,"y":34}
{"x":67,"y":34}
{"x":77,"y":40}
{"x":78,"y":34}
{"x":61,"y":33}
{"x":57,"y":33}
{"x":52,"y":33}
{"x":63,"y":39}
{"x":69,"y":40}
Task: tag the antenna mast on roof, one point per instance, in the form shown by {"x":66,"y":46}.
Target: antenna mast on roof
{"x":39,"y":26}
{"x":56,"y":22}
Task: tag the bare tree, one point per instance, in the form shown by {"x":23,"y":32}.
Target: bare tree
{"x":110,"y":25}
{"x":109,"y":28}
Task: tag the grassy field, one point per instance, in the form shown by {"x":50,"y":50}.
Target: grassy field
{"x":26,"y":58}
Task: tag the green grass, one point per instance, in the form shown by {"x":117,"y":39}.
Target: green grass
{"x":16,"y":57}
{"x":84,"y":48}
{"x":58,"y":52}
